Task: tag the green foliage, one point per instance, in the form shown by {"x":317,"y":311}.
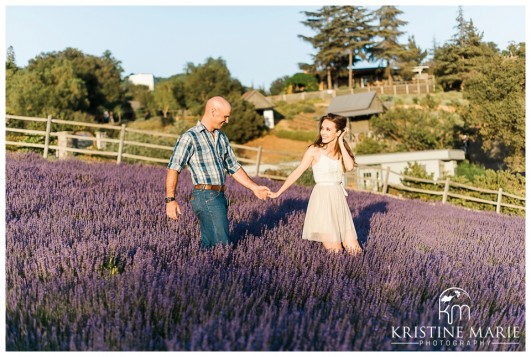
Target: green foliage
{"x":388,"y":49}
{"x":295,"y":135}
{"x":165,"y":98}
{"x":410,"y":57}
{"x":207,"y":80}
{"x":245,"y":123}
{"x":62,"y":83}
{"x":303,"y":82}
{"x":417,"y":170}
{"x":369,"y":146}
{"x":474,"y":176}
{"x":457,"y":60}
{"x":306,"y":178}
{"x":496,"y":96}
{"x":417,"y":129}
{"x":342,"y":34}
{"x":289,"y":110}
{"x":469,"y":170}
{"x":429,"y":101}
{"x":279,"y":86}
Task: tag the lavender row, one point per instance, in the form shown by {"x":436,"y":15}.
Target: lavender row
{"x":92,"y":263}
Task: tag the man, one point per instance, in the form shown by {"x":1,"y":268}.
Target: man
{"x":207,"y":152}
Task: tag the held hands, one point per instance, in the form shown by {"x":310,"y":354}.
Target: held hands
{"x":274,"y":194}
{"x":172,"y":209}
{"x":262,"y":192}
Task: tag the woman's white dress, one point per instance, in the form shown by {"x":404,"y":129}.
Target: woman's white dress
{"x":328,"y":217}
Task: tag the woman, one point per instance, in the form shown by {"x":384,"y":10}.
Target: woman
{"x":328,"y":218}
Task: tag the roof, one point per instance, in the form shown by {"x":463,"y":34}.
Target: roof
{"x":258,"y":100}
{"x":353,"y":105}
{"x":445,"y":155}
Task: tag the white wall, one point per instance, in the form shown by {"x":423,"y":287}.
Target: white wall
{"x":143,"y":79}
{"x":269,"y":118}
{"x":437,"y":167}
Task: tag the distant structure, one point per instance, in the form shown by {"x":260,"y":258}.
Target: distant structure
{"x":263,"y":106}
{"x":419,"y":75}
{"x":436,"y":162}
{"x":358,"y":108}
{"x":145,"y":79}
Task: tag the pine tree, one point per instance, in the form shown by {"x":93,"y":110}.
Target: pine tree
{"x":388,"y":29}
{"x":457,"y":60}
{"x":411,"y":57}
{"x":343,"y":37}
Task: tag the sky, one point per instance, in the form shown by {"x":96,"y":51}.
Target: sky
{"x":258,"y":43}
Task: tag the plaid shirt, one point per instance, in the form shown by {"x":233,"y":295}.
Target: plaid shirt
{"x":207,"y":157}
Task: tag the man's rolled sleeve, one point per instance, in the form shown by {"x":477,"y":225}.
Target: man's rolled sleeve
{"x":181,"y":153}
{"x":231,"y":164}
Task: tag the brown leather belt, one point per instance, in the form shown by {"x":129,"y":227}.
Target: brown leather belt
{"x":210,"y":187}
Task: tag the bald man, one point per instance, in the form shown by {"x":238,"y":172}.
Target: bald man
{"x":207,"y":153}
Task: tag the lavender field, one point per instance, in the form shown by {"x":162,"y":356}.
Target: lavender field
{"x":92,"y":263}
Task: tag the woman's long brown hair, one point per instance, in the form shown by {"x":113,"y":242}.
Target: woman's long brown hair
{"x":341,"y":123}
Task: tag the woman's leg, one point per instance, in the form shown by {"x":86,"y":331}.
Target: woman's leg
{"x":351,"y":245}
{"x":335,"y":247}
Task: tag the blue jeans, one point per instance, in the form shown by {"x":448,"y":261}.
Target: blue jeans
{"x":210,"y":208}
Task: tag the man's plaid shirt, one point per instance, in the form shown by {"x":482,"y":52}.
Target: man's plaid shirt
{"x":207,"y":157}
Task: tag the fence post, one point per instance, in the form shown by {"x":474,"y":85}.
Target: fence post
{"x":407,"y":88}
{"x":418,"y":86}
{"x":446,"y":189}
{"x":47,"y":137}
{"x":386,"y":180}
{"x":121,"y":144}
{"x":498,"y":204}
{"x":394,"y":90}
{"x":258,"y":159}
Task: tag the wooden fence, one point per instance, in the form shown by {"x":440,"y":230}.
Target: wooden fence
{"x":381,"y":184}
{"x":120,"y":154}
{"x":417,"y":87}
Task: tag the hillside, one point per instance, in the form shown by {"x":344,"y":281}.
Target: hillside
{"x":92,"y":263}
{"x":301,"y":118}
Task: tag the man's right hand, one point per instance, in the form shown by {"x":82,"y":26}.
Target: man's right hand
{"x":172,"y":209}
{"x":262,"y":192}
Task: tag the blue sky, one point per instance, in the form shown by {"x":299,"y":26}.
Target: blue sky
{"x":258,"y":43}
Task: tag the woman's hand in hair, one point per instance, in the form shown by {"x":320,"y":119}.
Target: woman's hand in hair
{"x":342,"y":136}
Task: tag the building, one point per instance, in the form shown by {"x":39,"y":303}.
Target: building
{"x":263,"y":106}
{"x":358,"y":107}
{"x":145,"y":79}
{"x":370,"y":174}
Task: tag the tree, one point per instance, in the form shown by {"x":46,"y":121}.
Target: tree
{"x":417,"y":129}
{"x":164,"y":96}
{"x":326,"y":58}
{"x":10,"y":58}
{"x":412,"y":56}
{"x":279,"y":86}
{"x":343,"y":37}
{"x":496,"y":96}
{"x":356,"y":35}
{"x":212,"y":78}
{"x":302,"y":82}
{"x":388,"y":49}
{"x":64,"y":83}
{"x":208,"y":80}
{"x":53,"y":89}
{"x":244,"y":124}
{"x":457,"y":59}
